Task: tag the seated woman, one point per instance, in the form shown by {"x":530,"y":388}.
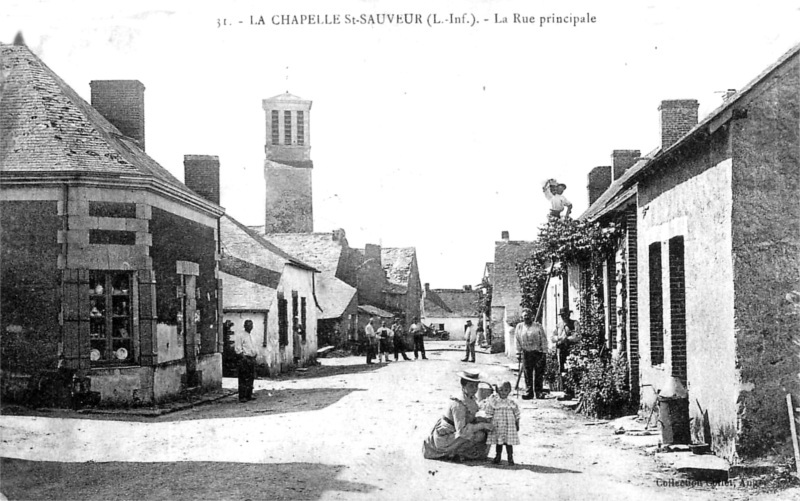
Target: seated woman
{"x":459,"y":434}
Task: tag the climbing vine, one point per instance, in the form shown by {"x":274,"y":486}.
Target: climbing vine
{"x":591,"y":372}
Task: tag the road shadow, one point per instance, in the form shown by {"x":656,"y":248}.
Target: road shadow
{"x":206,"y":480}
{"x":529,"y":467}
{"x":327,"y":371}
{"x":265,"y":402}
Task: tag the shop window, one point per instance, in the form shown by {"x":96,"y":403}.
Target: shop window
{"x":110,"y":313}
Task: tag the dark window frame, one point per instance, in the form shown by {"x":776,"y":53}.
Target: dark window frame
{"x":111,"y":328}
{"x":656,"y":304}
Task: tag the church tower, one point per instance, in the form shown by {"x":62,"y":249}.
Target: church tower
{"x":288,"y":165}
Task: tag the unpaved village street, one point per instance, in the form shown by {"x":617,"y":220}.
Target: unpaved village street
{"x":354,"y":434}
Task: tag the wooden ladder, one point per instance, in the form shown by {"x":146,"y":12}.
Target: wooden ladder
{"x":794,"y":422}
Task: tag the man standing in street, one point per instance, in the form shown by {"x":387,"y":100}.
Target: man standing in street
{"x":470,"y":336}
{"x":565,"y":337}
{"x":417,"y":331}
{"x":245,"y":347}
{"x":398,"y":340}
{"x":532,"y":345}
{"x":384,"y":335}
{"x":369,"y":331}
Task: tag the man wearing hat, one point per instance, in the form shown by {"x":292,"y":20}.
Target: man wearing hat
{"x":553,"y":191}
{"x":470,"y":336}
{"x":532,"y":347}
{"x":565,"y":336}
{"x":459,"y":434}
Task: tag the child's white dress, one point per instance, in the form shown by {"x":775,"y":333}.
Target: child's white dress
{"x":504,"y":414}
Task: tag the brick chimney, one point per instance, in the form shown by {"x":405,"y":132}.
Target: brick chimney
{"x":121,"y":102}
{"x":622,"y":160}
{"x":504,"y":236}
{"x":599,"y":179}
{"x":372,"y":251}
{"x":201,"y":174}
{"x":427,"y":287}
{"x":467,"y":288}
{"x":677,"y":117}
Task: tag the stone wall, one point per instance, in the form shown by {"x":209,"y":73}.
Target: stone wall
{"x":766,"y":245}
{"x":691,"y":198}
{"x":31,"y":285}
{"x":289,"y":199}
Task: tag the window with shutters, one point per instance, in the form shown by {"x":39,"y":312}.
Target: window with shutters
{"x":110,"y":313}
{"x":303,"y":326}
{"x":301,"y":128}
{"x":287,"y":127}
{"x":656,"y":305}
{"x":295,"y":318}
{"x":283,"y":320}
{"x":276,"y":135}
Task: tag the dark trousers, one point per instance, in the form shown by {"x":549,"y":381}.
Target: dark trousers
{"x":533,"y":363}
{"x":372,"y":349}
{"x":399,"y":347}
{"x":470,"y":352}
{"x":419,"y":346}
{"x":247,"y":373}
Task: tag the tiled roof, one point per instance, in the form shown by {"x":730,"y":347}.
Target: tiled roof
{"x":317,"y":249}
{"x":505,"y":286}
{"x":617,"y":192}
{"x":242,"y":295}
{"x":451,"y":303}
{"x":46,"y":128}
{"x":397,"y":263}
{"x":334,"y":296}
{"x":375,"y":311}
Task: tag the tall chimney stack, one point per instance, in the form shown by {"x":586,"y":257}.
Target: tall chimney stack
{"x":677,"y":117}
{"x":599,"y":179}
{"x":622,"y":160}
{"x":201,"y":174}
{"x":121,"y":102}
{"x":504,"y":236}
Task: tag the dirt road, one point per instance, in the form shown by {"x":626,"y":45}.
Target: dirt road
{"x":342,"y":431}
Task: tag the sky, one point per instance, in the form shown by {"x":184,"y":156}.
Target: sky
{"x":433,"y":136}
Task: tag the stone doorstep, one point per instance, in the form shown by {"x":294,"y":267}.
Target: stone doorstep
{"x":161,"y":409}
{"x":706,"y":467}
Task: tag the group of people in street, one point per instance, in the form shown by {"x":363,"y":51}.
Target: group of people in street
{"x":384,"y":340}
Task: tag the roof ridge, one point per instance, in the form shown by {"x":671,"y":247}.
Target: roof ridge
{"x":269,"y":245}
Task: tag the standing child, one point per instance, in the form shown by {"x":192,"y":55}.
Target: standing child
{"x":505,"y":418}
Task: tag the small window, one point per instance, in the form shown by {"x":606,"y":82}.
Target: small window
{"x":110,"y":318}
{"x":287,"y":127}
{"x":301,"y":128}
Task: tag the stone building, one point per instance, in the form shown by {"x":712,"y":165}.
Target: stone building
{"x":109,"y":264}
{"x":717,"y":252}
{"x":288,"y":166}
{"x":449,"y":309}
{"x":506,"y":292}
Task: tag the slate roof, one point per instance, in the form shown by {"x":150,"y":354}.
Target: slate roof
{"x":47,"y":129}
{"x":397,"y":263}
{"x":240,"y":242}
{"x":624,"y":187}
{"x":317,"y":249}
{"x":456,"y":303}
{"x":243,"y":295}
{"x":375,"y":311}
{"x":334,"y":296}
{"x":505,"y":284}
